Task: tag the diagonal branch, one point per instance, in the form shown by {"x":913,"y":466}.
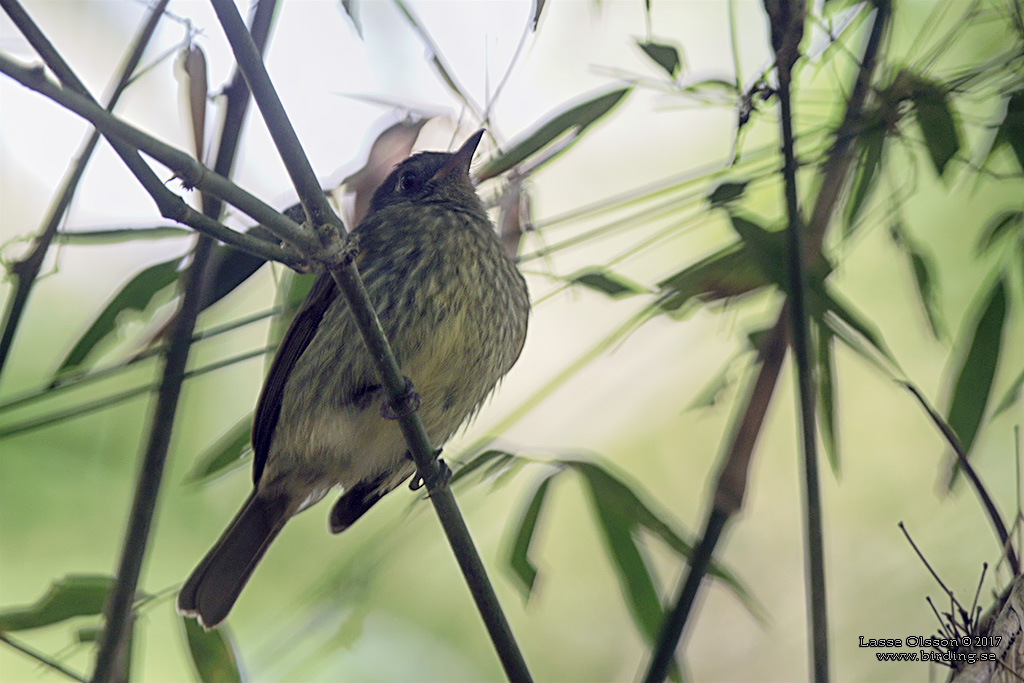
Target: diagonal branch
{"x":342,"y":268}
{"x":127,"y":141}
{"x":118,"y":612}
{"x":732,"y":478}
{"x":27,"y":269}
{"x":729,"y":493}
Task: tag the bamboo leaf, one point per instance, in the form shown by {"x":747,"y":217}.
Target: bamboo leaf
{"x":922,"y":269}
{"x":634,"y":576}
{"x":1010,"y":130}
{"x":710,"y":394}
{"x":767,"y":249}
{"x":574,"y":121}
{"x":228,"y":269}
{"x":519,"y":560}
{"x":937,"y":123}
{"x":726,"y":192}
{"x":869,"y":147}
{"x":1012,"y":395}
{"x":135,"y":295}
{"x":489,"y":457}
{"x":826,"y":395}
{"x":75,"y":595}
{"x":1000,"y":225}
{"x":88,"y":635}
{"x":628,"y":506}
{"x":351,"y":12}
{"x":436,"y":58}
{"x":664,"y":55}
{"x":975,"y":373}
{"x":841,"y":317}
{"x":607,"y":282}
{"x":729,"y":272}
{"x":196,"y":80}
{"x":226,"y":454}
{"x":119,"y":235}
{"x":711,"y":85}
{"x":212,"y":653}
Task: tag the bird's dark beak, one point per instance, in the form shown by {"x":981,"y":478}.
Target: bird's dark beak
{"x":458,"y":164}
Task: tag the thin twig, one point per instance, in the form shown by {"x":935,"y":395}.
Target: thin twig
{"x":79,"y":379}
{"x":27,"y":269}
{"x":730,"y":491}
{"x":840,"y":157}
{"x":118,"y":611}
{"x":787,"y":29}
{"x":923,"y":560}
{"x":342,"y":268}
{"x":191,"y":173}
{"x":833,"y":172}
{"x":41,"y":658}
{"x":986,"y":501}
{"x":114,"y":399}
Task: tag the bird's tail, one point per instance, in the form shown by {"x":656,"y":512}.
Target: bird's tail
{"x":215,"y":584}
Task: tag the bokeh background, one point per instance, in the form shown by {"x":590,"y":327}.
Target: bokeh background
{"x":385,"y":601}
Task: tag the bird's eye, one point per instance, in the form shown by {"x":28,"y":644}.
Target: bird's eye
{"x":407,"y":182}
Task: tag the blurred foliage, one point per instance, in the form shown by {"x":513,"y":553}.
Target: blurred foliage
{"x":913,"y":119}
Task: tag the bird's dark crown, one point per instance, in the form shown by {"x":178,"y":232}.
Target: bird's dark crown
{"x":416,"y":180}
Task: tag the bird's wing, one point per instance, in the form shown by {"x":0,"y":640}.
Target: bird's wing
{"x":300,"y":333}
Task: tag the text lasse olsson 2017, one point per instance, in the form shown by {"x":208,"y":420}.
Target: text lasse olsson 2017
{"x":921,"y":641}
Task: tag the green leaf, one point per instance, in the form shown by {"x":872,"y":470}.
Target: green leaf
{"x":923,"y":279}
{"x":1012,"y":395}
{"x":756,"y":261}
{"x":633,"y":574}
{"x":727,"y":192}
{"x":135,"y":295}
{"x":212,"y":653}
{"x":712,"y":391}
{"x":119,"y":235}
{"x":628,"y":506}
{"x":974,"y":375}
{"x":519,"y":558}
{"x":607,"y":282}
{"x":1000,"y":225}
{"x":74,"y":595}
{"x":491,"y":457}
{"x":936,"y":121}
{"x":573,"y":121}
{"x":665,"y":56}
{"x":1010,"y":130}
{"x":88,"y":634}
{"x":768,"y":249}
{"x":436,"y":58}
{"x":728,"y":272}
{"x":841,"y":317}
{"x":826,"y":395}
{"x":351,"y":12}
{"x":922,"y":269}
{"x":229,"y":268}
{"x":711,"y":84}
{"x":224,"y":455}
{"x":869,"y":147}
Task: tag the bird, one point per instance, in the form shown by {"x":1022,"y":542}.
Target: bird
{"x":455,"y":309}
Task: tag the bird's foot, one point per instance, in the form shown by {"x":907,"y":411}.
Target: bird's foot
{"x":443,"y":477}
{"x":407,"y":402}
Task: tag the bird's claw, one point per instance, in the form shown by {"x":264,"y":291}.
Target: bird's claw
{"x":443,"y":477}
{"x":407,"y":402}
